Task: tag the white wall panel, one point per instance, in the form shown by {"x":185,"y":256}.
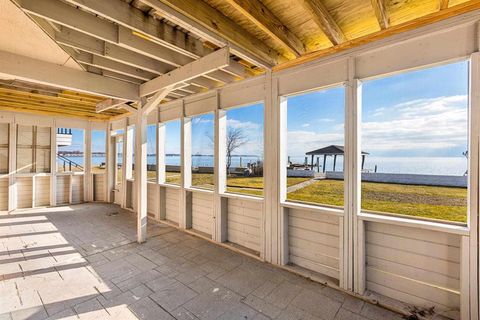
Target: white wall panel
{"x":314,"y":241}
{"x":24,"y":192}
{"x":3,"y":193}
{"x":202,"y":212}
{"x":152,"y":199}
{"x":77,"y":188}
{"x":242,"y":93}
{"x":42,"y":191}
{"x":244,"y":222}
{"x":172,"y":202}
{"x":63,"y":185}
{"x":420,"y":267}
{"x":99,"y":180}
{"x":200,"y":104}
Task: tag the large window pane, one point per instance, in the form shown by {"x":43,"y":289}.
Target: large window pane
{"x":70,"y":150}
{"x":315,"y":147}
{"x":99,"y":148}
{"x":202,"y":151}
{"x":244,"y":150}
{"x":414,"y":129}
{"x":152,"y":152}
{"x":172,"y":152}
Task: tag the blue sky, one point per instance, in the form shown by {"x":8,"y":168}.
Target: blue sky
{"x":418,"y":113}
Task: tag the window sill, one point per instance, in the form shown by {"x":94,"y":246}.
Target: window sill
{"x":241,"y":196}
{"x":200,"y":190}
{"x":416,"y":223}
{"x":318,"y":209}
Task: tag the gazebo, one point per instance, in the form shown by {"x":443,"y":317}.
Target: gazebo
{"x":331,"y":150}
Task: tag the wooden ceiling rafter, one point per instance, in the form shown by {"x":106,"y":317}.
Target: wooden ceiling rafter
{"x":443,"y":4}
{"x":381,"y":12}
{"x":325,"y":21}
{"x":264,"y":19}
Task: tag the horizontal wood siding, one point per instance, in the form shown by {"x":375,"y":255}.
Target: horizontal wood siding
{"x":152,"y":199}
{"x":314,"y":241}
{"x":419,"y":267}
{"x":42,"y":191}
{"x":202,"y":212}
{"x":24,"y":192}
{"x":77,"y":189}
{"x":99,"y":186}
{"x":244,"y":222}
{"x":172,"y":202}
{"x":4,"y":193}
{"x":63,"y":189}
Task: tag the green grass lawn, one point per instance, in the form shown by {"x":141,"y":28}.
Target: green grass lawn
{"x":444,"y":203}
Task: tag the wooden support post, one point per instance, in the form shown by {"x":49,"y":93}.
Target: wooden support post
{"x":12,"y":166}
{"x":324,"y":163}
{"x":53,"y":165}
{"x":186,"y":170}
{"x":334,"y":162}
{"x":363,"y":160}
{"x":125,"y":164}
{"x":469,"y":294}
{"x":220,"y":174}
{"x":88,"y":177}
{"x":312,"y":161}
{"x":282,"y":178}
{"x":141,"y":174}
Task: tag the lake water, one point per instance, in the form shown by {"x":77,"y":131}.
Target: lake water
{"x":414,"y":165}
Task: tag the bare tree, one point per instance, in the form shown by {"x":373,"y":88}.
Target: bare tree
{"x":235,"y":139}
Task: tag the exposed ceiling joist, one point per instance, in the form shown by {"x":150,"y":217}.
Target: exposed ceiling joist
{"x":82,"y":42}
{"x":119,"y":41}
{"x":324,"y":20}
{"x":37,"y":71}
{"x":138,"y":24}
{"x":204,"y":65}
{"x":443,"y":4}
{"x":264,"y":19}
{"x":211,"y":24}
{"x":380,"y":8}
{"x":108,"y":104}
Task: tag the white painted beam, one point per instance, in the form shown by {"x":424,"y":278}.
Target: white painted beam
{"x":108,"y":104}
{"x":13,"y":66}
{"x":141,"y":175}
{"x":205,"y":65}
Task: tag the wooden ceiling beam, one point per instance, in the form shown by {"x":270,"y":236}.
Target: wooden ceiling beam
{"x":325,"y":21}
{"x":118,"y":40}
{"x":204,"y":65}
{"x":380,"y":8}
{"x":141,"y":25}
{"x":215,"y":27}
{"x":443,"y":4}
{"x":263,"y":18}
{"x":14,"y":66}
{"x":44,"y":107}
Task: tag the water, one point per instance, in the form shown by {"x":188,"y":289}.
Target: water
{"x":455,"y":166}
{"x":415,"y":165}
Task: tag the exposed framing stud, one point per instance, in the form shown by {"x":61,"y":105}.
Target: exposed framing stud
{"x":380,"y":8}
{"x":325,"y":21}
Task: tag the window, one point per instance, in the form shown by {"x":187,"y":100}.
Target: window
{"x":98,"y":151}
{"x":152,"y":152}
{"x":315,"y":146}
{"x":244,"y":150}
{"x":4,"y":143}
{"x":415,"y":139}
{"x":33,"y":149}
{"x":172,"y":152}
{"x":202,"y":139}
{"x":119,"y":158}
{"x":70,"y":150}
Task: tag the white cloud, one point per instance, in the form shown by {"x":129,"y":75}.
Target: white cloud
{"x":424,"y":124}
{"x":305,"y":125}
{"x":246,"y":125}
